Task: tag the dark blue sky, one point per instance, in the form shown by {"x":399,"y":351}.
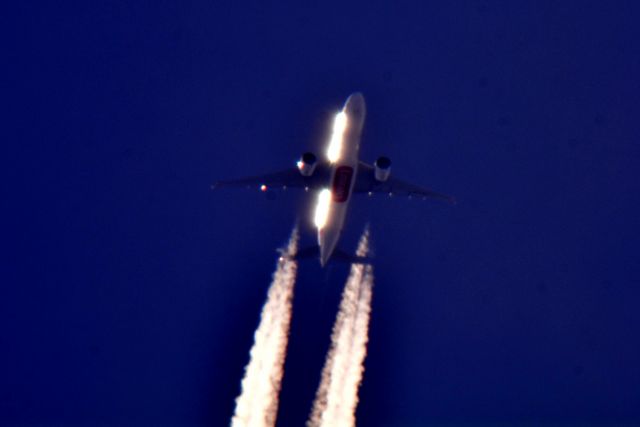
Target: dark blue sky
{"x":130,"y":291}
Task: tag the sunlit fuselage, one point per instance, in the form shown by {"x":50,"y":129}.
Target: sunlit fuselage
{"x":344,"y":160}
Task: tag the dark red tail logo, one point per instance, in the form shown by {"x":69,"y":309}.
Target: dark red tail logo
{"x":342,"y":183}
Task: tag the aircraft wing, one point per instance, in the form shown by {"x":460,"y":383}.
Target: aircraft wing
{"x":288,"y":178}
{"x":366,"y":183}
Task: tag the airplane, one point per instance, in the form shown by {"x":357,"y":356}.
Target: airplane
{"x":338,"y":177}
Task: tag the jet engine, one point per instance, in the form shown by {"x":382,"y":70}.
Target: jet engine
{"x":307,"y":164}
{"x":382,"y":169}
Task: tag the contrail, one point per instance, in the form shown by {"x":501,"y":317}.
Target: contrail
{"x":257,"y":404}
{"x":337,"y":395}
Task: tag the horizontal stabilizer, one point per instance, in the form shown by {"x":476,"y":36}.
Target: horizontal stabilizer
{"x":337,"y":255}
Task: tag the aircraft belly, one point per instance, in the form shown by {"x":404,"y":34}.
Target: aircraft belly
{"x":343,"y":177}
{"x":329,"y":235}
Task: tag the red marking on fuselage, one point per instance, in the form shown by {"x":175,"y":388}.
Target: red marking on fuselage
{"x":342,"y":183}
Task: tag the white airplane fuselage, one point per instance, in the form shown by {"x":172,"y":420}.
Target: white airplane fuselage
{"x":343,"y":176}
{"x":337,"y":177}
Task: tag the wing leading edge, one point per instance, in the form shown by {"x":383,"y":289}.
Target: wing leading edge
{"x":366,"y":183}
{"x":288,"y":178}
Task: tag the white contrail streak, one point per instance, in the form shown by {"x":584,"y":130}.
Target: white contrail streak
{"x":257,"y":404}
{"x":337,"y":395}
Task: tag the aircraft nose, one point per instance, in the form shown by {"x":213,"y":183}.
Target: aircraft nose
{"x":356,"y":97}
{"x":355,"y":101}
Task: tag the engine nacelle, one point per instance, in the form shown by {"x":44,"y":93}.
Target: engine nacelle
{"x":382,"y":169}
{"x":307,"y":164}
